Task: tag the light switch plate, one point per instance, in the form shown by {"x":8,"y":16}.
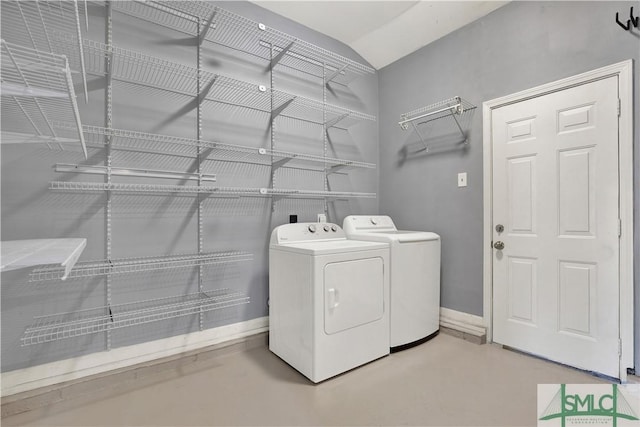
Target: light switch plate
{"x":462,"y":179}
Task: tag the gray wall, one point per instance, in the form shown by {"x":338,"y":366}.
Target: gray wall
{"x":154,"y":225}
{"x":519,"y":46}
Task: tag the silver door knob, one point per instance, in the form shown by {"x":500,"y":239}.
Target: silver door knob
{"x":499,"y":245}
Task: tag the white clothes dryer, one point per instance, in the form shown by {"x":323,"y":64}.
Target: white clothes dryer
{"x":328,"y":299}
{"x":415,"y":277}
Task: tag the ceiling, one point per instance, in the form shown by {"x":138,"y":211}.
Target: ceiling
{"x":382,"y":31}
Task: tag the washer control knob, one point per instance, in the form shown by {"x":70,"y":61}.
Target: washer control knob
{"x":326,"y":228}
{"x":334,"y":228}
{"x":312,"y":228}
{"x":374,"y":221}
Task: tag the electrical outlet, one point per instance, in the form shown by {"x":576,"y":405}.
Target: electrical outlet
{"x":462,"y":179}
{"x":322,"y":218}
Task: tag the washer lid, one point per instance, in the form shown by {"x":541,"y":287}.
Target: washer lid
{"x":394,"y":236}
{"x":380,"y":228}
{"x":325,"y":247}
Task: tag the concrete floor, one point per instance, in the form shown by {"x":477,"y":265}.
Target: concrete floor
{"x":446,"y":381}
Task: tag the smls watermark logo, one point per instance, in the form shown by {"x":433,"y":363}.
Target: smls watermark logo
{"x":588,"y":405}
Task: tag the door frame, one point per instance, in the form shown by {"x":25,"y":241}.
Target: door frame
{"x":624,"y":71}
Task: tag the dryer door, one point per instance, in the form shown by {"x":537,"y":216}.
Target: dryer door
{"x":353,"y":293}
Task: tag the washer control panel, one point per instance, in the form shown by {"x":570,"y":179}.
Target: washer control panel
{"x":354,"y":223}
{"x":309,"y":231}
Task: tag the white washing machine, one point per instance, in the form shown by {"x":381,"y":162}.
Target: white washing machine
{"x":415,"y":277}
{"x":328,"y":299}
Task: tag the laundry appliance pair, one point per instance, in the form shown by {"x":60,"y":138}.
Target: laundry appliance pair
{"x":341,"y":298}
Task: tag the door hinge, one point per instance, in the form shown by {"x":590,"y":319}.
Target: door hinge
{"x":619,"y":347}
{"x":619,"y":227}
{"x":619,"y":106}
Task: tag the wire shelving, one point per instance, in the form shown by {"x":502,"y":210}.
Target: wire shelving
{"x":317,"y":112}
{"x":85,"y":322}
{"x":151,"y":188}
{"x":422,"y":119}
{"x":41,"y":98}
{"x":243,"y":34}
{"x":133,"y":172}
{"x":439,"y":110}
{"x":210,"y":191}
{"x":136,"y":265}
{"x":313,"y":194}
{"x":128,"y":139}
{"x":287,"y":156}
{"x":46,"y":26}
{"x":138,"y":68}
{"x":36,"y":90}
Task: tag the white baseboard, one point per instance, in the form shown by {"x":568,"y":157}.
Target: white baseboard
{"x":26,"y":379}
{"x":21,"y":380}
{"x":463,"y":322}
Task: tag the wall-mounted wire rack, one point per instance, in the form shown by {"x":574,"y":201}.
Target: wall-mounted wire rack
{"x":456,"y":109}
{"x":226,"y":90}
{"x":284,"y":157}
{"x":36,"y":90}
{"x":154,"y":143}
{"x":151,"y":188}
{"x":199,"y":189}
{"x":133,"y":172}
{"x":74,"y":324}
{"x":311,"y":194}
{"x":40,"y":24}
{"x":136,"y":265}
{"x":141,"y":69}
{"x":240,"y":33}
{"x":61,"y":33}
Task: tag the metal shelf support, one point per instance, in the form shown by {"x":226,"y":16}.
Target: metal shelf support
{"x":331,"y":123}
{"x":280,"y":55}
{"x":204,"y":29}
{"x":336,"y":73}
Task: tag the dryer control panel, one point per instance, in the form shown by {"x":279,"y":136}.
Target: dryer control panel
{"x":355,"y":223}
{"x":306,"y":231}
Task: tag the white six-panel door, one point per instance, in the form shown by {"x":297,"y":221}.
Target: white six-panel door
{"x":555,"y":192}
